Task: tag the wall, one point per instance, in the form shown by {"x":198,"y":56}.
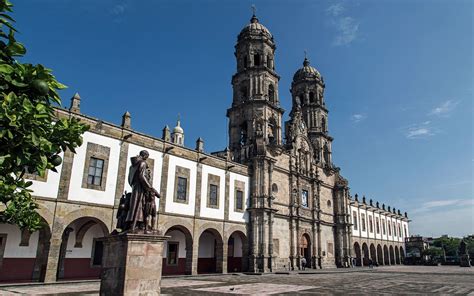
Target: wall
{"x":51,"y":186}
{"x":76,"y":192}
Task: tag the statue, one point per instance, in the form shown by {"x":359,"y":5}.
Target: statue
{"x":136,"y":208}
{"x":465,"y":260}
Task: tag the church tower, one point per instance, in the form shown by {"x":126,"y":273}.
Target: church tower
{"x":307,"y":90}
{"x":255,"y":115}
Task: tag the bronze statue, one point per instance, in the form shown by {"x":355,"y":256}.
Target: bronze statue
{"x":136,"y":208}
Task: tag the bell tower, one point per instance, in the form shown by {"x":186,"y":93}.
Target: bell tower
{"x":255,"y":114}
{"x":307,"y":91}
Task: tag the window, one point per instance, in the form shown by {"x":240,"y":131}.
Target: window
{"x":172,"y":254}
{"x":304,"y":198}
{"x":245,"y":62}
{"x":323,"y":125}
{"x":389,"y":228}
{"x":394,"y":229}
{"x":377,"y":225}
{"x":383,"y":227}
{"x":271,"y":93}
{"x":94,"y":176}
{"x":239,"y":200}
{"x":354,"y":219}
{"x":213,"y":195}
{"x":312,"y":97}
{"x":405,"y":228}
{"x":363,"y":222}
{"x":371,"y":226}
{"x":256,"y":59}
{"x":182,"y":187}
{"x":97,"y":252}
{"x":269,"y":62}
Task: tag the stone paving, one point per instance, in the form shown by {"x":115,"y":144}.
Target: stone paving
{"x":398,"y":280}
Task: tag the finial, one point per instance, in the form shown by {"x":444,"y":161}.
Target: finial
{"x":254,"y":18}
{"x":178,"y":123}
{"x":306,"y":61}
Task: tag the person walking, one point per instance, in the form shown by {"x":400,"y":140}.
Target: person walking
{"x":303,"y":263}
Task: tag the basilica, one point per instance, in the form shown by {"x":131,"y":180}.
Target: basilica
{"x":270,"y":199}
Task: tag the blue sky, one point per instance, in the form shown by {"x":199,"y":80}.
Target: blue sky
{"x":399,"y":82}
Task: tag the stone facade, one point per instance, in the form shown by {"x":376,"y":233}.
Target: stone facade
{"x":279,"y":195}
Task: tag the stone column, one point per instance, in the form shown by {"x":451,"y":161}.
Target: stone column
{"x":53,"y":255}
{"x":132,"y":264}
{"x":221,"y":248}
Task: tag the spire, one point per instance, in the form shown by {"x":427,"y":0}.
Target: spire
{"x":75,"y":103}
{"x":166,"y":134}
{"x":126,"y":120}
{"x":178,"y":133}
{"x":254,"y":18}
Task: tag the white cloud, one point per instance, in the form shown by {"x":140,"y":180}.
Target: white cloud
{"x":346,"y":26}
{"x":358,"y":117}
{"x":118,"y":9}
{"x":420,"y":131}
{"x":444,"y":109}
{"x":335,"y":9}
{"x":440,"y":203}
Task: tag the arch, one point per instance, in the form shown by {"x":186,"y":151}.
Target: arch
{"x":373,"y":254}
{"x":271,"y":93}
{"x":365,"y":254}
{"x":83,"y":258}
{"x":323,"y":124}
{"x":246,"y":61}
{"x":312,"y":97}
{"x":256,"y":59}
{"x":392,"y":255}
{"x":33,"y":268}
{"x":379,"y":255}
{"x":178,"y":251}
{"x":274,"y":188}
{"x":397,"y":255}
{"x":305,"y":248}
{"x":237,"y":252}
{"x":358,"y":254}
{"x":402,"y":255}
{"x":210,"y":251}
{"x":386,"y":256}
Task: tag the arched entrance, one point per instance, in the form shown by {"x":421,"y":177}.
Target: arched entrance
{"x":210,"y":254}
{"x":402,"y":255}
{"x":397,"y":255}
{"x":30,"y":263}
{"x":379,"y":255}
{"x":178,"y":251}
{"x":365,"y":252}
{"x":80,"y":253}
{"x":358,"y":254}
{"x":392,"y":255}
{"x":237,"y":252}
{"x":305,"y":249}
{"x":373,"y":254}
{"x":386,"y":257}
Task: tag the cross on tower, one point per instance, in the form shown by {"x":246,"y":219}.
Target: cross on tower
{"x":254,"y":9}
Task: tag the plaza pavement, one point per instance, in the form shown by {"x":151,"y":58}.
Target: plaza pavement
{"x":390,"y":280}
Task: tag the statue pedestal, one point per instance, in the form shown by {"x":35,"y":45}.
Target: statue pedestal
{"x":131,"y":264}
{"x":465,"y":261}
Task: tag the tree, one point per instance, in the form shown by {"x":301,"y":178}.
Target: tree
{"x":31,"y":135}
{"x":449,"y":244}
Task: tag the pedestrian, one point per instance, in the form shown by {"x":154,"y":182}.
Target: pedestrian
{"x":371,"y":263}
{"x":303,"y":263}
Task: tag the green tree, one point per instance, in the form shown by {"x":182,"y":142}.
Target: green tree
{"x":31,"y":135}
{"x":449,"y":244}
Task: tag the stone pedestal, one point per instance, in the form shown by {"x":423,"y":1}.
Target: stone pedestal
{"x":465,"y":261}
{"x":131,"y":264}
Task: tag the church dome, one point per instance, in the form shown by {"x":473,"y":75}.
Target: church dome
{"x":178,"y":129}
{"x":307,"y":72}
{"x":255,"y":29}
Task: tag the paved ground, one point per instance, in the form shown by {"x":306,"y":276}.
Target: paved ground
{"x":399,"y":280}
